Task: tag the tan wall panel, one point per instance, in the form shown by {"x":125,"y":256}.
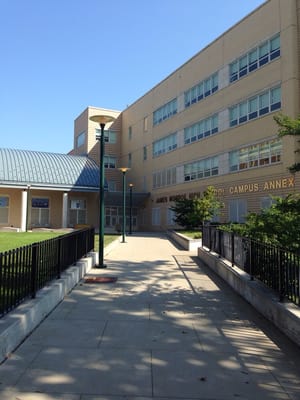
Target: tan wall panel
{"x":14,"y":213}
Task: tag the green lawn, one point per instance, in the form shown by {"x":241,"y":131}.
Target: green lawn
{"x":107,"y":239}
{"x":191,"y":234}
{"x":12,"y":240}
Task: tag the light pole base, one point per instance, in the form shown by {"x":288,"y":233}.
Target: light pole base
{"x":100,"y":266}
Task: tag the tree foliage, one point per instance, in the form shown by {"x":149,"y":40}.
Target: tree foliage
{"x":192,"y":213}
{"x":278,"y":225}
{"x":289,"y":127}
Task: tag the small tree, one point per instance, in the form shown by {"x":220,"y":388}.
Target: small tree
{"x":192,"y":213}
{"x":184,"y":209}
{"x":289,"y":127}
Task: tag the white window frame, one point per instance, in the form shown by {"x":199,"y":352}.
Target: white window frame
{"x":156,"y":216}
{"x":40,"y":216}
{"x":77,"y":211}
{"x":237,"y":210}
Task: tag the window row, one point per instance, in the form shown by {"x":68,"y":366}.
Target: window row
{"x":165,"y":112}
{"x":165,"y":145}
{"x":257,"y":155}
{"x":256,"y":106}
{"x":252,"y":60}
{"x":201,"y":169}
{"x":237,"y":211}
{"x":201,"y":90}
{"x":255,"y":58}
{"x":164,"y":177}
{"x":204,"y":128}
{"x":40,"y":211}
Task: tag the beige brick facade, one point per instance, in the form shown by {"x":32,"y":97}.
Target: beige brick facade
{"x":211,"y":122}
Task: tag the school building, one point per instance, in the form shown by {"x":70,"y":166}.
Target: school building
{"x":210,"y":122}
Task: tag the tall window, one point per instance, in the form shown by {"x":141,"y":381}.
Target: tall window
{"x":255,"y":58}
{"x":4,"y":208}
{"x":145,"y":124}
{"x":109,"y":162}
{"x":80,"y":139}
{"x":112,"y":187}
{"x":164,"y":177}
{"x":40,"y":211}
{"x":145,"y":153}
{"x":237,"y":210}
{"x":266,"y":202}
{"x":77,"y":212}
{"x":155,"y":216}
{"x":171,"y":217}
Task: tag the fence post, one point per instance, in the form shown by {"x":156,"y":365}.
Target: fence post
{"x":232,"y":249}
{"x":280,"y":277}
{"x":209,"y":237}
{"x":250,"y":256}
{"x":34,"y":269}
{"x":59,"y":246}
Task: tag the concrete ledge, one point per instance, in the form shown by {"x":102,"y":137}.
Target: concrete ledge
{"x":185,"y":242}
{"x":17,"y":325}
{"x":286,"y":315}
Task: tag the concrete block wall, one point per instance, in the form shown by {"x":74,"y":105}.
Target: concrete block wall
{"x":285,"y":315}
{"x":19,"y":323}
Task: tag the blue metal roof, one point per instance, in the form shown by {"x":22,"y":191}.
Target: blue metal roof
{"x":24,"y":167}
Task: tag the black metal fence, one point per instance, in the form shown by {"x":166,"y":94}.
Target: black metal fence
{"x":275,"y":267}
{"x":25,"y":270}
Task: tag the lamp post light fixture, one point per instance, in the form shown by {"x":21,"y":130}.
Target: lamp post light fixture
{"x":130,"y":208}
{"x":124,"y":170}
{"x":101,"y":120}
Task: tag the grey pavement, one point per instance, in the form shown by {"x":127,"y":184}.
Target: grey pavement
{"x":168,"y":328}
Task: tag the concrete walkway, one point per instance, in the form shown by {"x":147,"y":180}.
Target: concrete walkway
{"x":167,"y":329}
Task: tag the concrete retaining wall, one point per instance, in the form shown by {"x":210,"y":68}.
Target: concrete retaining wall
{"x":185,"y":242}
{"x":286,"y":316}
{"x":17,"y":325}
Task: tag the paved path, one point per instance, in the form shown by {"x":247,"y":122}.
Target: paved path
{"x":167,"y":329}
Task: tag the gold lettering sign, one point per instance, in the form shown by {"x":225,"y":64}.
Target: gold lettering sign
{"x":274,"y":184}
{"x":162,"y":200}
{"x":177,"y":197}
{"x":279,"y":184}
{"x":244,"y":188}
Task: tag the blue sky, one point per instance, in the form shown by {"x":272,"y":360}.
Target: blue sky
{"x":60,"y":56}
